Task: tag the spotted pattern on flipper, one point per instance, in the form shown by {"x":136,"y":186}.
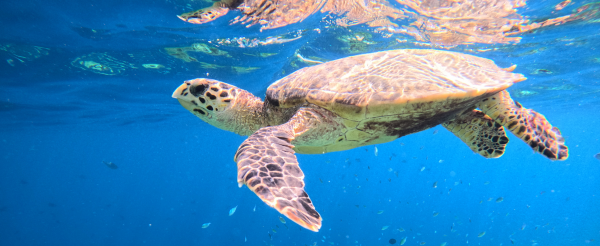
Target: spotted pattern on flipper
{"x":206,"y":15}
{"x":267,"y":164}
{"x":480,"y":132}
{"x":530,"y":126}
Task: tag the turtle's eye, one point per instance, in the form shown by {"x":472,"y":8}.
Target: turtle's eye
{"x":197,"y":90}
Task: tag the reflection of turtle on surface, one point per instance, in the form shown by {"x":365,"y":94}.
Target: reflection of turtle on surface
{"x":362,"y":100}
{"x":182,"y":53}
{"x":273,"y":14}
{"x":205,"y":15}
{"x":22,"y":52}
{"x":101,"y":63}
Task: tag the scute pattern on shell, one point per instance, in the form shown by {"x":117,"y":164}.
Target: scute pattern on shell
{"x":391,"y":78}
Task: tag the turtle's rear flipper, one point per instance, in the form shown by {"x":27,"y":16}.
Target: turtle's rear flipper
{"x":530,"y":126}
{"x":268,"y":166}
{"x":479,"y":132}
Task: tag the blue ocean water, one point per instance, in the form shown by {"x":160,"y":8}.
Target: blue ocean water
{"x":61,"y":118}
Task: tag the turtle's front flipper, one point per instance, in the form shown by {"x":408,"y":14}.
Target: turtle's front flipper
{"x":267,"y":164}
{"x":530,"y":126}
{"x":479,"y":132}
{"x":205,"y":15}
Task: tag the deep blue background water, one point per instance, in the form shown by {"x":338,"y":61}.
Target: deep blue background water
{"x":58,"y":123}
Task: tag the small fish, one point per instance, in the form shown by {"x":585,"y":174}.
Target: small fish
{"x":435,"y":184}
{"x":281,"y":219}
{"x":443,"y":244}
{"x":274,"y":230}
{"x":403,"y":241}
{"x":597,"y":156}
{"x":486,"y":183}
{"x":481,"y":234}
{"x":401,"y":229}
{"x":384,"y":228}
{"x":321,"y":180}
{"x":10,"y":62}
{"x":435,"y":132}
{"x":376,"y":151}
{"x":422,"y":169}
{"x":254,"y":210}
{"x":436,"y":214}
{"x":231,"y":211}
{"x":523,"y":227}
{"x":511,"y":241}
{"x":500,"y":199}
{"x":422,"y":243}
{"x":380,"y":212}
{"x":110,"y":165}
{"x":205,"y":225}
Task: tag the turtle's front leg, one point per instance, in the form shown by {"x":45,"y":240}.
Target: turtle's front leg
{"x":267,"y":164}
{"x":205,"y":15}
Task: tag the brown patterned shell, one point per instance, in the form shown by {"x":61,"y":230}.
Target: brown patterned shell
{"x":389,"y":82}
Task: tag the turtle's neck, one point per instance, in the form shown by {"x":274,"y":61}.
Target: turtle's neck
{"x":251,"y":113}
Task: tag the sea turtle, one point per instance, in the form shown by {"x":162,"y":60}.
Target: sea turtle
{"x":362,"y":100}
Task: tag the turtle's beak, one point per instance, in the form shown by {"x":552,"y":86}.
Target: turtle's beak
{"x":181,"y":94}
{"x":178,"y":93}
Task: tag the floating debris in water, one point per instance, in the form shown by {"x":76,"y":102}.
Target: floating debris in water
{"x":403,"y":241}
{"x":380,"y":212}
{"x":110,"y":165}
{"x":435,"y":184}
{"x":481,"y":234}
{"x":281,"y":219}
{"x":392,"y":241}
{"x":384,"y":228}
{"x":231,"y":211}
{"x":205,"y":225}
{"x":500,"y":199}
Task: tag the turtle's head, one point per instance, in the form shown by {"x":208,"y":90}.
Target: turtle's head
{"x":222,"y":105}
